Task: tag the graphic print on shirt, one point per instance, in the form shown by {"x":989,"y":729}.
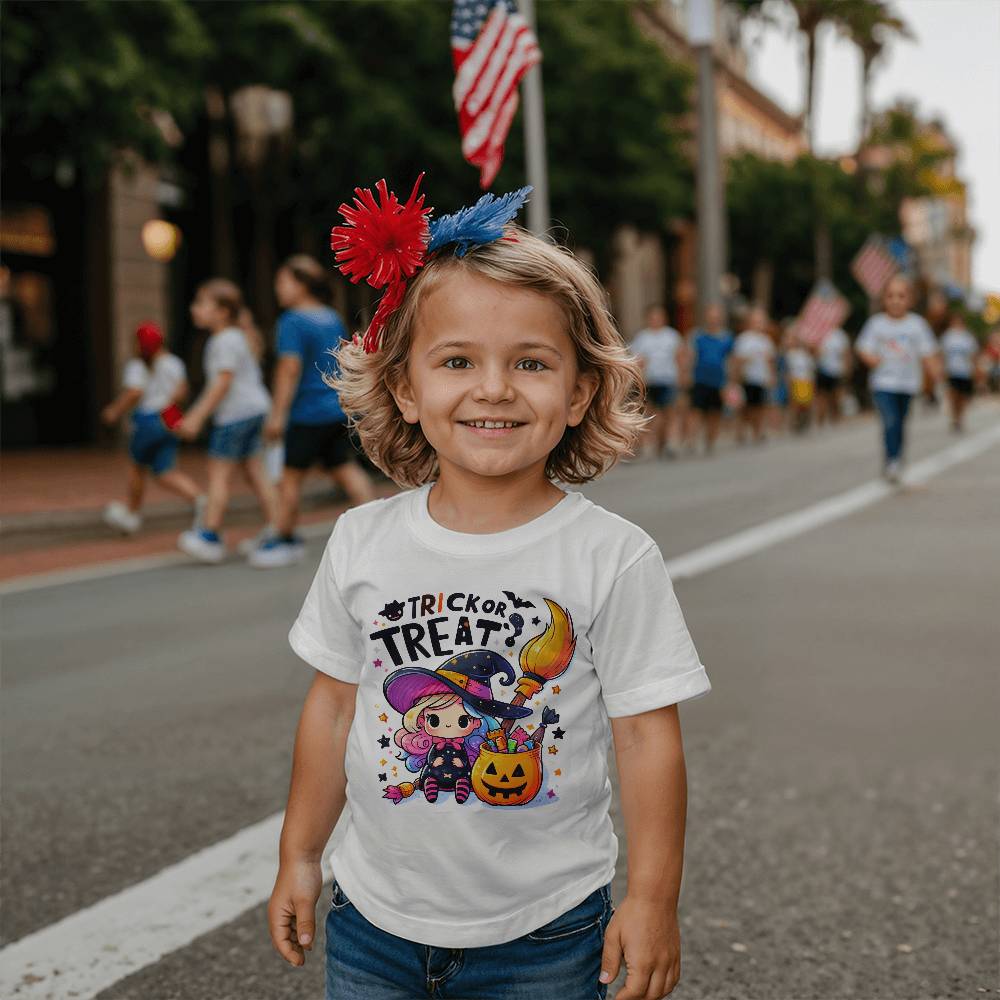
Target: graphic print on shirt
{"x":455,"y":733}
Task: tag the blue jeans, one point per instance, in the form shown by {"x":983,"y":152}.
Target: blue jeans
{"x":151,"y":444}
{"x":238,"y":441}
{"x":560,"y":959}
{"x":892,"y":408}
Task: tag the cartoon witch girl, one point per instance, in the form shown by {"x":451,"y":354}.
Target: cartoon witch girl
{"x":447,"y":714}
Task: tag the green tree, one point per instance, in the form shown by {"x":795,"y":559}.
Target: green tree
{"x":81,"y":84}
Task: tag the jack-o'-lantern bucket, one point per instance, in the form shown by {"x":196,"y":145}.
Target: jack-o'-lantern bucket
{"x":507,"y":779}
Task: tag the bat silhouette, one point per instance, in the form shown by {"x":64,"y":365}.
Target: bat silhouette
{"x":517,"y":602}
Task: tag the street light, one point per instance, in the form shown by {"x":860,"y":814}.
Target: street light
{"x":710,"y":202}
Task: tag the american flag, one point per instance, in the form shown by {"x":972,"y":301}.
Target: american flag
{"x":492,"y":48}
{"x":824,"y":310}
{"x":873,"y":265}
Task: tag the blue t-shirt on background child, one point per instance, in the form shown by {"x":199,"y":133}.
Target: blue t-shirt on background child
{"x":310,"y":334}
{"x":710,"y":353}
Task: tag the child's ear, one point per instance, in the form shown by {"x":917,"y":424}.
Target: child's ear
{"x":402,"y":394}
{"x":587,"y":384}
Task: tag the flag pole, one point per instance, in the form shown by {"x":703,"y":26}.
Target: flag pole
{"x":534,"y":137}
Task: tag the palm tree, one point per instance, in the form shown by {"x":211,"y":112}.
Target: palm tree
{"x":870,"y":24}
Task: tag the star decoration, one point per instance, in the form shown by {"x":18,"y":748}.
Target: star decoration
{"x":553,"y":750}
{"x":383,"y":762}
{"x":383,"y":741}
{"x":536,"y":620}
{"x":378,"y":663}
{"x":551,"y":794}
{"x":556,"y":689}
{"x":530,"y":726}
{"x":558,"y":772}
{"x":559,"y":733}
{"x":383,"y":777}
{"x":395,"y":771}
{"x":383,"y":717}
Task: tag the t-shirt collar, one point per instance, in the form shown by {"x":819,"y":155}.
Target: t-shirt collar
{"x":437,"y":536}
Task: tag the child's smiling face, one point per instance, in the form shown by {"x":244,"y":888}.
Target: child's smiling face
{"x":486,"y":351}
{"x":450,"y":722}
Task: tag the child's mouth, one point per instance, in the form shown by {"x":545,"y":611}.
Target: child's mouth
{"x":491,"y":428}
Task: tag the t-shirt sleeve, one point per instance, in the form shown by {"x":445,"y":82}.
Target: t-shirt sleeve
{"x":326,"y":634}
{"x":135,"y":375}
{"x":290,"y":336}
{"x":643,"y":653}
{"x":928,"y":345}
{"x":178,"y":371}
{"x":866,"y":339}
{"x":227,"y":352}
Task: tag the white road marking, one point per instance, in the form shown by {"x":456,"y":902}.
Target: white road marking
{"x":762,"y":536}
{"x":89,"y":951}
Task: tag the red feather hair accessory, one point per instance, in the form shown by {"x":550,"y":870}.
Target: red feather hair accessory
{"x":384,"y":243}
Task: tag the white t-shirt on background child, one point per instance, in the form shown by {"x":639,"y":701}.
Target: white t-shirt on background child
{"x":659,"y":350}
{"x":800,"y":364}
{"x":158,"y":385}
{"x":833,"y":353}
{"x":756,"y":349}
{"x":579,"y":596}
{"x":900,"y":344}
{"x":959,"y":348}
{"x":228,"y":351}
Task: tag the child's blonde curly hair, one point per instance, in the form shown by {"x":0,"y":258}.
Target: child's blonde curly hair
{"x":611,"y":426}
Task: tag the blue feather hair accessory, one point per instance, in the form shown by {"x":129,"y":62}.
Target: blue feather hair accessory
{"x":385,"y":242}
{"x":476,"y":224}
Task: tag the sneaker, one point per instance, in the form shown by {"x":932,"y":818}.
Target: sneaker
{"x":119,"y":517}
{"x":205,"y":546}
{"x":892,"y":472}
{"x":277,"y":552}
{"x":200,"y":503}
{"x":253,"y":543}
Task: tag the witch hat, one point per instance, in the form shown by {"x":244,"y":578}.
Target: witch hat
{"x":466,"y":674}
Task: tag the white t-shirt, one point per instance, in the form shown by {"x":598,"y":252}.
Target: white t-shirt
{"x":228,"y":351}
{"x":800,"y":364}
{"x":756,"y":350}
{"x":900,"y":344}
{"x":579,"y":593}
{"x":833,"y":353}
{"x":659,"y":349}
{"x":159,"y":385}
{"x":959,"y":348}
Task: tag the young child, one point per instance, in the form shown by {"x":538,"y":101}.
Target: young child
{"x":898,"y":347}
{"x":801,"y":365}
{"x":154,"y":384}
{"x":663,"y":355}
{"x":306,"y":414}
{"x":961,"y":352}
{"x":237,"y":400}
{"x":495,"y":623}
{"x":712,"y":346}
{"x":753,"y":364}
{"x":833,"y":366}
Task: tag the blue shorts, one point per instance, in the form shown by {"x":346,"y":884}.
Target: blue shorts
{"x":661,"y":394}
{"x":562,"y":958}
{"x":237,"y":441}
{"x":151,"y":444}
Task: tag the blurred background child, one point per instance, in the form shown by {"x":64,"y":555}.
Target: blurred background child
{"x":237,"y":401}
{"x":753,"y":367}
{"x":801,"y":381}
{"x":153,"y":382}
{"x":960,"y":351}
{"x":833,"y":365}
{"x":662,"y":353}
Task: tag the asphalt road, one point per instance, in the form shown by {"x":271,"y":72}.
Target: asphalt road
{"x":842,"y":834}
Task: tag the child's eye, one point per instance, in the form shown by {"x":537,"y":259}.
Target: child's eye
{"x":433,"y":720}
{"x":463,"y":721}
{"x":448,"y":363}
{"x":534,"y":361}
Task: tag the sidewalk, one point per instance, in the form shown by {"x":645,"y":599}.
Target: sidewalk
{"x":52,"y":501}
